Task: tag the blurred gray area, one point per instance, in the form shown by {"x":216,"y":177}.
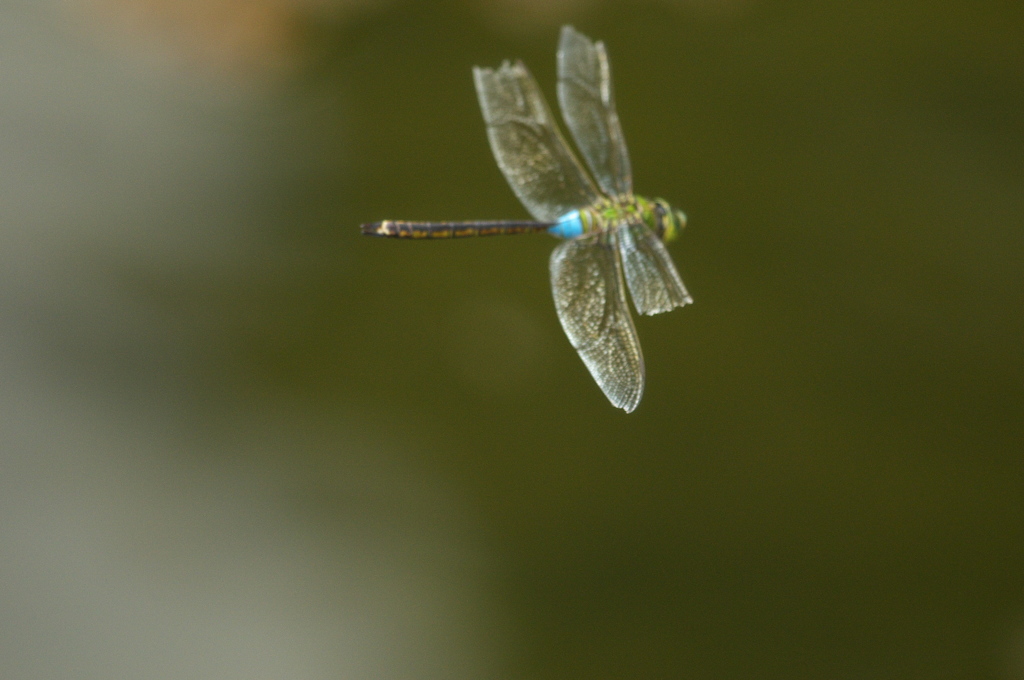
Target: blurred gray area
{"x":138,"y":538}
{"x":238,"y":440}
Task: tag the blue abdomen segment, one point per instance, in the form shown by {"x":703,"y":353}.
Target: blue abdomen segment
{"x":568,"y":225}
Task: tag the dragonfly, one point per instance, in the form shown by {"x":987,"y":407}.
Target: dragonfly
{"x":611,"y":238}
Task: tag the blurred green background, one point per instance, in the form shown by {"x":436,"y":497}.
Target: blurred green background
{"x":242,"y":440}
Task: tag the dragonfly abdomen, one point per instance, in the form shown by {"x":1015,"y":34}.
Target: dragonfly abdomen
{"x":422,"y":230}
{"x":569,"y":225}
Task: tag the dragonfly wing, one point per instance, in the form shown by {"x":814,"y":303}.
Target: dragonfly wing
{"x":588,"y":106}
{"x":532,"y":154}
{"x":651,"y":275}
{"x":586,"y":278}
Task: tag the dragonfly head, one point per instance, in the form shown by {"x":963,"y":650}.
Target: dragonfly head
{"x":669,"y":221}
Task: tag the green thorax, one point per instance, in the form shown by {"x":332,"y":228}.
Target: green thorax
{"x":657,"y":214}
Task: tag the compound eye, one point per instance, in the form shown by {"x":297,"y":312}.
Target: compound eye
{"x":659,"y":217}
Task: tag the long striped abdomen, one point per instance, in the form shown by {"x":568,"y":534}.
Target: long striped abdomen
{"x":401,"y":229}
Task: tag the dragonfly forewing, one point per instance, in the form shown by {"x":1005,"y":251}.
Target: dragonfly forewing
{"x":588,"y":106}
{"x":654,"y":283}
{"x":532,"y":154}
{"x":590,"y":298}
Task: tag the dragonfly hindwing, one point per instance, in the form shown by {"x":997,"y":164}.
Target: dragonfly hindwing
{"x":533,"y":156}
{"x":590,"y":298}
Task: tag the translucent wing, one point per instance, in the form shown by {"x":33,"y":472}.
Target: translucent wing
{"x":588,"y":106}
{"x":651,"y":275}
{"x":586,"y":279}
{"x":530,"y":151}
